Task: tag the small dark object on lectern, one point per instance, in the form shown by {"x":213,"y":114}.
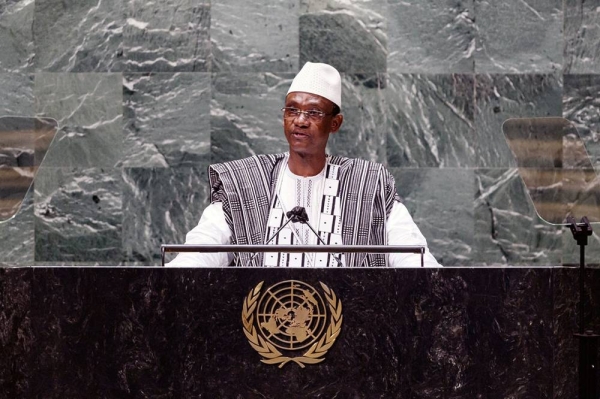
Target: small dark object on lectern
{"x":297,"y":214}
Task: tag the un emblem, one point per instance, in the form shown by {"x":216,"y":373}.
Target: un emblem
{"x":291,"y":316}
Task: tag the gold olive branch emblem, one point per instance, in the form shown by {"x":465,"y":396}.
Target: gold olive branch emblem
{"x":270,"y":353}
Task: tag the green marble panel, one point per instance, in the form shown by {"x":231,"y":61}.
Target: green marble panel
{"x":78,"y":216}
{"x":153,"y":216}
{"x":441,"y":204}
{"x":516,"y":36}
{"x":16,"y":36}
{"x":78,"y":35}
{"x":89,"y":111}
{"x":166,"y":119}
{"x":256,"y":36}
{"x":500,"y":97}
{"x":167,"y":36}
{"x":508,"y":231}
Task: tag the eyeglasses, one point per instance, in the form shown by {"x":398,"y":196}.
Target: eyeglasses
{"x":313,"y":114}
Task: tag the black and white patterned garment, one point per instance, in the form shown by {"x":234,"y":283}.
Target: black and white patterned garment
{"x":357,"y":199}
{"x":319,"y":195}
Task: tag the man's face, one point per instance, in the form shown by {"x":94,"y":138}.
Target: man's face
{"x":307,"y":136}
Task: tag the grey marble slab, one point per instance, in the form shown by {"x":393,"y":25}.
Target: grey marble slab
{"x":89,"y":110}
{"x":433,"y":36}
{"x":17,"y":97}
{"x":16,"y":36}
{"x":517,"y":36}
{"x":78,"y":215}
{"x":167,"y":36}
{"x":581,"y":36}
{"x":430,"y":120}
{"x":78,"y":35}
{"x":153,"y":216}
{"x":245,"y":114}
{"x":581,"y":105}
{"x":500,"y":97}
{"x":441,"y":204}
{"x":257,"y":36}
{"x":166,"y":119}
{"x":17,"y":235}
{"x":350,"y":35}
{"x":507,"y":229}
{"x":363,"y":133}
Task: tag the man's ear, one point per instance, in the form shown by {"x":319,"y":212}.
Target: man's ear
{"x":336,"y":123}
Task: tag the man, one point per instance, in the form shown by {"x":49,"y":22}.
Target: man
{"x":347,"y":201}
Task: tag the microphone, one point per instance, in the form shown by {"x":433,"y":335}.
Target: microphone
{"x":298,"y":214}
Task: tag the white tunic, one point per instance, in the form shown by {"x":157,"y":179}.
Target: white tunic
{"x":307,"y":192}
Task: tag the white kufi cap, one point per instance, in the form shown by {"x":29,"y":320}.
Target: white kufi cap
{"x":320,"y":79}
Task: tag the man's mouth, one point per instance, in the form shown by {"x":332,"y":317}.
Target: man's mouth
{"x":299,"y":134}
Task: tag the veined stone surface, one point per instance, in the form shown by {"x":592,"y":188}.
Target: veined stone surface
{"x":517,"y":36}
{"x":508,"y":230}
{"x":581,"y":105}
{"x":16,"y":36}
{"x":17,"y":237}
{"x":254,"y":36}
{"x":139,"y":86}
{"x":430,"y":121}
{"x":17,"y":97}
{"x":167,"y":119}
{"x":357,"y":49}
{"x":89,"y":111}
{"x":78,"y":35}
{"x":363,"y":130}
{"x":351,"y":36}
{"x":500,"y":97}
{"x":582,"y":34}
{"x":78,"y":215}
{"x":153,"y":216}
{"x":167,"y":36}
{"x":246,"y":117}
{"x":441,"y":204}
{"x":432,"y":36}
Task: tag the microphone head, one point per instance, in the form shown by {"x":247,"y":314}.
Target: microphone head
{"x":297,"y":214}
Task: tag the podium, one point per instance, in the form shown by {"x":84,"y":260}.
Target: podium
{"x":406,"y":333}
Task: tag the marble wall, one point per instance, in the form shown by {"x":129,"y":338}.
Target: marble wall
{"x":147,"y":94}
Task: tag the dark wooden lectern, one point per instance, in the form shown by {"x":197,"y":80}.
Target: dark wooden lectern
{"x":179,"y":333}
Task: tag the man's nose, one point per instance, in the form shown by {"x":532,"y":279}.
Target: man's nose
{"x":302,"y":119}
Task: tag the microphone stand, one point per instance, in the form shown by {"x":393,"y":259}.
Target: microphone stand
{"x":298,"y":214}
{"x":271,"y":239}
{"x":588,"y":341}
